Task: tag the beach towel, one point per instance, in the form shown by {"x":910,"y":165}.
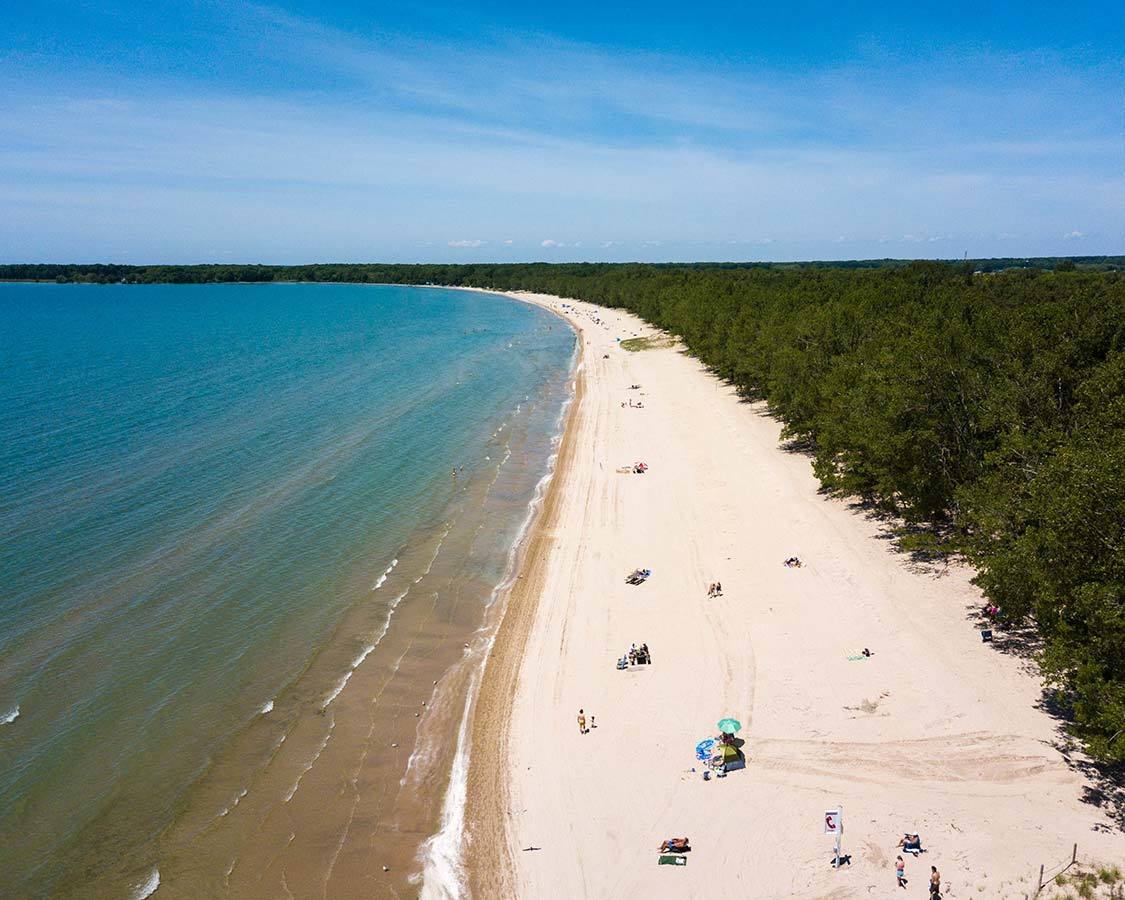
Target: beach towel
{"x":854,"y":654}
{"x":671,"y":859}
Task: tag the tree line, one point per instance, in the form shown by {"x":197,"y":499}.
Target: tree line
{"x":474,"y":274}
{"x":982,"y":407}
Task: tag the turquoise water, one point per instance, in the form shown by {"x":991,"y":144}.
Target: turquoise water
{"x":197,"y":483}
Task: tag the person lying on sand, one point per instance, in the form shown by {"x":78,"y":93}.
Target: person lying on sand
{"x":675,"y":845}
{"x":911,"y":843}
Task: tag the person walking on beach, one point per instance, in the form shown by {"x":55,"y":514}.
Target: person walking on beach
{"x":900,"y":872}
{"x":581,"y":722}
{"x":935,"y":883}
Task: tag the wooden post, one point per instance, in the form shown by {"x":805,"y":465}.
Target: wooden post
{"x":1038,"y":889}
{"x":1074,"y":856}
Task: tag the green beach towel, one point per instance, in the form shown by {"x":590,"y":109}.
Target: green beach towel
{"x":672,"y":859}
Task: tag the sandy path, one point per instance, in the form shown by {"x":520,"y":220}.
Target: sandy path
{"x":937,"y":730}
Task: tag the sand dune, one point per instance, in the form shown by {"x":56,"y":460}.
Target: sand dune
{"x":936,"y":730}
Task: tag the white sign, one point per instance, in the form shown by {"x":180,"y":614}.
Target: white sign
{"x":833,"y":822}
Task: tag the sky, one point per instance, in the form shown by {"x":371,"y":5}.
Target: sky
{"x":295,"y":132}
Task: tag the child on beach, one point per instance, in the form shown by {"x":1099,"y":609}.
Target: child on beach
{"x":900,"y":872}
{"x":581,"y":722}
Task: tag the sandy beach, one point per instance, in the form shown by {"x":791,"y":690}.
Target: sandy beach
{"x":936,"y":731}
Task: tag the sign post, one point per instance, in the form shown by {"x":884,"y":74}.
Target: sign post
{"x":834,"y":825}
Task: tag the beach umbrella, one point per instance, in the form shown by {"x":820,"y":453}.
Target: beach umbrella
{"x":729,"y":726}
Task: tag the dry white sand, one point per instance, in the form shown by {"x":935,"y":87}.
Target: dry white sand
{"x":936,"y":731}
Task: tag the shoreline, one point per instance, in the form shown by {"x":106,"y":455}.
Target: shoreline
{"x":329,"y":780}
{"x":936,"y":731}
{"x":400,"y":793}
{"x":478,"y":762}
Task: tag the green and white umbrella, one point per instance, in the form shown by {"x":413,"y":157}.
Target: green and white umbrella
{"x":729,"y":726}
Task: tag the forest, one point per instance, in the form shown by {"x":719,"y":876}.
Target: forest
{"x":980,"y":406}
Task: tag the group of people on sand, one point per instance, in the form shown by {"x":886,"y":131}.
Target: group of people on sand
{"x":935,"y":878}
{"x":715,"y":590}
{"x":638,"y":656}
{"x":638,"y":405}
{"x":583,"y":728}
{"x":675,"y":845}
{"x":912,"y":843}
{"x":793,"y":562}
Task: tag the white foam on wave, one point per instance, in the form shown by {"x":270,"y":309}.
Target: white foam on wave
{"x":363,"y":654}
{"x":336,"y":691}
{"x":267,"y":708}
{"x":148,"y":887}
{"x":234,"y":802}
{"x":10,"y":716}
{"x":310,"y":763}
{"x":443,"y":874}
{"x":437,"y":550}
{"x":383,"y":578}
{"x":442,"y":854}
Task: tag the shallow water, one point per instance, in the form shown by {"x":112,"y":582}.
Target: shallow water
{"x":232,"y":545}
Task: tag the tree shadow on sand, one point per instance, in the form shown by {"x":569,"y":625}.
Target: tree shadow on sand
{"x":1104,"y":783}
{"x":926,"y":550}
{"x":924,"y":547}
{"x":1104,"y":786}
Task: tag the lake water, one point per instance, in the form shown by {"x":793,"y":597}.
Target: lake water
{"x":232,"y":549}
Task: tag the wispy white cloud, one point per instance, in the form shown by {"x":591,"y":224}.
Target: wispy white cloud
{"x":505,"y":138}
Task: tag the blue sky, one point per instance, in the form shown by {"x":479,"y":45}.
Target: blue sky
{"x":301,"y":131}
